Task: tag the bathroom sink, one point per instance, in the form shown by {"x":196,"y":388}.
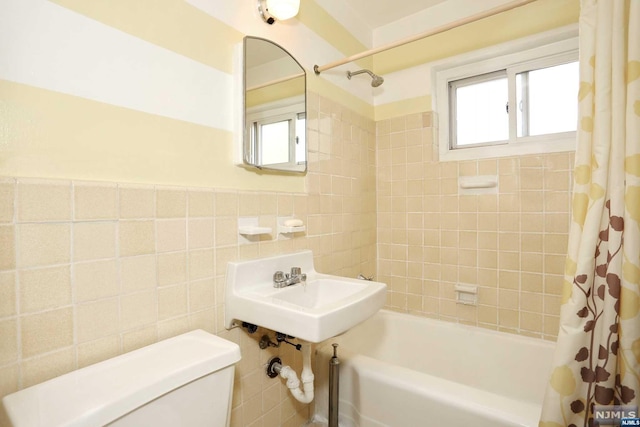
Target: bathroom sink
{"x":320,"y":308}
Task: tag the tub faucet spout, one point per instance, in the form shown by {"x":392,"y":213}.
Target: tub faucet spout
{"x":282,"y":280}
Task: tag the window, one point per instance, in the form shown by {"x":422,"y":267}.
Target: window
{"x":516,"y":98}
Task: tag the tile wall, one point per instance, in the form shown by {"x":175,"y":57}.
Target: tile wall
{"x":511,"y":244}
{"x":90,"y":270}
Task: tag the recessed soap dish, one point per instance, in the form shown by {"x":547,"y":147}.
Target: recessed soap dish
{"x":466,"y":294}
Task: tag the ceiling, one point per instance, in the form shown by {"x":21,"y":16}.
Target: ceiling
{"x":376,"y":13}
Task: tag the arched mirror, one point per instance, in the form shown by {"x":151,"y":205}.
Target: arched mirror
{"x":274,"y":108}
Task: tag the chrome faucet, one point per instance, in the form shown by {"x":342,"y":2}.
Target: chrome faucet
{"x":282,"y":280}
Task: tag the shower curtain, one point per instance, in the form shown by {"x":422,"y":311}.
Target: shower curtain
{"x":598,"y":350}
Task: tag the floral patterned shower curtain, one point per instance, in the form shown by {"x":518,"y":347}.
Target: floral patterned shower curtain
{"x":598,"y":351}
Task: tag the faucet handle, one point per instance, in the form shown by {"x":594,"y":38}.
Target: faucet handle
{"x":278,"y":276}
{"x":296,"y":271}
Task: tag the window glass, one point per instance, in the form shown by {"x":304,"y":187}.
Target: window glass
{"x":480,"y":111}
{"x":547,"y":100}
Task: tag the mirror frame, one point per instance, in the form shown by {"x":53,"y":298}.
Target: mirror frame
{"x":248,"y":146}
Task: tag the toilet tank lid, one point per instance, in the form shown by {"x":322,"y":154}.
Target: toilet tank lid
{"x":101,"y":393}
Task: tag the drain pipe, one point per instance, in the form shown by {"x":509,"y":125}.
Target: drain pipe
{"x":304,"y":395}
{"x":334,"y":387}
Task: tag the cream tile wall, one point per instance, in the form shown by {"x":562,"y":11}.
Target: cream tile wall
{"x":511,"y":244}
{"x":89,"y":270}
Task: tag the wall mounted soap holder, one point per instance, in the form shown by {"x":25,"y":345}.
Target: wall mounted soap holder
{"x":289,"y":225}
{"x":250,"y":230}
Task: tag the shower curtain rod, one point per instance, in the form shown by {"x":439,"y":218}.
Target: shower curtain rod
{"x":478,"y":16}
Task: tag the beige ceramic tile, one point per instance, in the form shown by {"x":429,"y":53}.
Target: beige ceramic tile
{"x":249,"y":204}
{"x":205,"y":320}
{"x":202,"y":294}
{"x":173,"y":327}
{"x":44,"y":244}
{"x":7,"y":294}
{"x":43,"y":201}
{"x":45,"y":288}
{"x":531,"y":321}
{"x":551,"y":325}
{"x":508,"y":318}
{"x":94,"y":240}
{"x":7,"y":247}
{"x":201,"y":264}
{"x":172,"y":301}
{"x":531,"y":262}
{"x":9,"y":379}
{"x":7,"y":200}
{"x":201,"y":233}
{"x":531,"y":282}
{"x":95,"y":280}
{"x":508,"y":299}
{"x":171,"y":203}
{"x":138,"y":273}
{"x":226,"y":231}
{"x":47,"y":331}
{"x":139,"y":309}
{"x":172,"y":268}
{"x":136,"y":202}
{"x":8,"y":341}
{"x":509,"y":279}
{"x":94,"y":201}
{"x":201,"y":203}
{"x":139,"y":338}
{"x":226,"y":204}
{"x":172,"y":235}
{"x":39,"y":369}
{"x":97,"y":319}
{"x":98,"y":350}
{"x":556,"y":243}
{"x":137,"y":238}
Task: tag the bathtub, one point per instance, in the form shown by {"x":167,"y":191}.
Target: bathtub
{"x":400,"y":370}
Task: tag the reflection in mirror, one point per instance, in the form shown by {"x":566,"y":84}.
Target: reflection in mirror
{"x":274,"y":108}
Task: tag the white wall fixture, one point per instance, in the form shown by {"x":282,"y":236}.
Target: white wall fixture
{"x":478,"y":184}
{"x":287,"y":226}
{"x":250,"y":230}
{"x":305,"y":304}
{"x":272,"y":10}
{"x":466,"y":294}
{"x":185,"y":380}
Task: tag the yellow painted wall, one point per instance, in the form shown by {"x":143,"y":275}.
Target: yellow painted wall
{"x":50,"y":134}
{"x":533,"y":18}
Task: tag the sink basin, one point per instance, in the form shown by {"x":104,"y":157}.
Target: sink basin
{"x":319,"y":293}
{"x":321,"y":308}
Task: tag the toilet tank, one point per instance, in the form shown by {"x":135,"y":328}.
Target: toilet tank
{"x":184,"y":381}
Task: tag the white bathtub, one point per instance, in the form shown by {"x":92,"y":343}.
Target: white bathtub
{"x":400,"y":370}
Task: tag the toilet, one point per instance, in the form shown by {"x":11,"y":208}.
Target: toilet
{"x":184,"y":381}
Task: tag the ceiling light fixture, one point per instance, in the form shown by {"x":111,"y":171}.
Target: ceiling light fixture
{"x":272,"y":10}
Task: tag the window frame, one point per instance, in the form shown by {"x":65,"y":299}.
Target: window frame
{"x":527,"y":54}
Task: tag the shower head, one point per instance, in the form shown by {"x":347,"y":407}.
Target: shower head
{"x":376,"y":80}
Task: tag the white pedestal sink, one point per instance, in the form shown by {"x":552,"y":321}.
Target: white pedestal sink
{"x":322,"y":308}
